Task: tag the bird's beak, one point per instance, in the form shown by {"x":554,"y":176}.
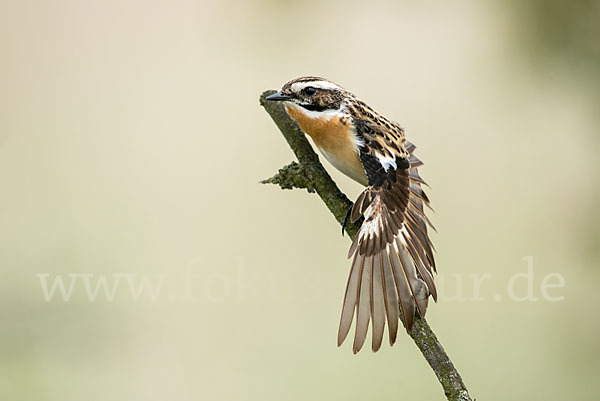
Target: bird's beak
{"x":278,"y":96}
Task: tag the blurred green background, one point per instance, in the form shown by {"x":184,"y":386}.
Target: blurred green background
{"x":131,"y":146}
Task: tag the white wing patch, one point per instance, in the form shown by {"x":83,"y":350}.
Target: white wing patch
{"x":386,"y":161}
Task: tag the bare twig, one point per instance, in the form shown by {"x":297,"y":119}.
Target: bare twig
{"x":311,"y":175}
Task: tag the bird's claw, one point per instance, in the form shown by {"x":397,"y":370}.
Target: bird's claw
{"x":346,"y":219}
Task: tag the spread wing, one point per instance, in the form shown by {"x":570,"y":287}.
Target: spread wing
{"x":392,"y":256}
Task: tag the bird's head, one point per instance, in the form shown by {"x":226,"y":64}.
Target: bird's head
{"x":312,"y":95}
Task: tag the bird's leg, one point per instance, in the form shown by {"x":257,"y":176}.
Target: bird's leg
{"x":346,"y":218}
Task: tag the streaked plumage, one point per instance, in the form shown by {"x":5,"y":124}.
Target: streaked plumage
{"x":392,"y":255}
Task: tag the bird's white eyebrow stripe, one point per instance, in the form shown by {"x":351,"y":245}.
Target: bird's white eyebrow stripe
{"x":315,"y":84}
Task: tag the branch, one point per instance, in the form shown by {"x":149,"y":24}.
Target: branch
{"x":310,"y":174}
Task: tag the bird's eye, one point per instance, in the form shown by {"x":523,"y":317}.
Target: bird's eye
{"x":309,"y":91}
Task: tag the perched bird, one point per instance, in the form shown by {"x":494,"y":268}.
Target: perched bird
{"x":392,"y":255}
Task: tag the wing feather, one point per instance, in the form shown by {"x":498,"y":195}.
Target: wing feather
{"x":352,"y":288}
{"x":377,"y":303}
{"x":392,"y":266}
{"x":407,"y":305}
{"x":363,"y":305}
{"x":391,"y":297}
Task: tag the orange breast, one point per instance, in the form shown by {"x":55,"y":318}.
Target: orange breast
{"x":335,"y":139}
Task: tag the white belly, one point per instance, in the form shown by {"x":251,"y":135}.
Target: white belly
{"x":353,"y":171}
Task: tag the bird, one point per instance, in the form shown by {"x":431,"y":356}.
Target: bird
{"x":392,"y":264}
